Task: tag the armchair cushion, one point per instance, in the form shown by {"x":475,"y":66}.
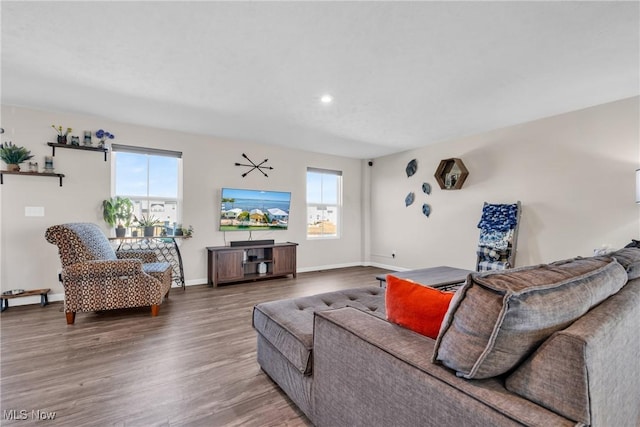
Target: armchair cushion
{"x":78,"y":242}
{"x":146,"y":256}
{"x":102,"y":269}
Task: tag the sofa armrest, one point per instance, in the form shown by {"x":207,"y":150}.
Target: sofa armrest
{"x":368,"y":371}
{"x":93,"y":269}
{"x":589,"y":371}
{"x":146,"y":256}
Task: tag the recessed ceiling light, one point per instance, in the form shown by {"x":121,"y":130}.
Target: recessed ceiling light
{"x":326,"y":99}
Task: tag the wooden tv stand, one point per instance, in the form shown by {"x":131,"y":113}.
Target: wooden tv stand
{"x":230,"y":264}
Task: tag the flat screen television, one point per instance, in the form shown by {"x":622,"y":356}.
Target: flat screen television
{"x":254,"y":210}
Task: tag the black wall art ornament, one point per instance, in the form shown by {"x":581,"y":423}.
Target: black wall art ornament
{"x":426,"y":188}
{"x":254,"y":166}
{"x":409,"y":199}
{"x":412,"y":167}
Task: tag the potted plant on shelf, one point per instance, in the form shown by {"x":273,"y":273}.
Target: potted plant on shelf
{"x":187,"y":232}
{"x":62,"y":134}
{"x":148,"y":223}
{"x":13,"y":155}
{"x":118,"y":210}
{"x":103,"y":135}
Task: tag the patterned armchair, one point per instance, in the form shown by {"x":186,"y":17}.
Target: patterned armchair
{"x":95,"y":277}
{"x":498,"y":236}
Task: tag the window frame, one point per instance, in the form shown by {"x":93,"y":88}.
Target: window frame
{"x":338,"y":204}
{"x":117,"y":148}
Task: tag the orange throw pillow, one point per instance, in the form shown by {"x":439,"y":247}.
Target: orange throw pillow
{"x":416,"y":307}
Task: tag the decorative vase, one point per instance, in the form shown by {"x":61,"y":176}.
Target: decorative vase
{"x":62,"y":139}
{"x":48,"y":164}
{"x":12,"y":167}
{"x":149,"y":231}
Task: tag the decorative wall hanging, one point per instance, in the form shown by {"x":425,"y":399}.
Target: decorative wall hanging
{"x":426,"y":210}
{"x":426,"y":188}
{"x":412,"y":167}
{"x":409,"y":199}
{"x":254,"y":166}
{"x":451,"y":174}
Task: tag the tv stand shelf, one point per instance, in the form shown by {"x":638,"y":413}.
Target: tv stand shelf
{"x":232,"y":264}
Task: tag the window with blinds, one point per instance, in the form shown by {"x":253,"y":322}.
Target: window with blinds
{"x":324,"y":203}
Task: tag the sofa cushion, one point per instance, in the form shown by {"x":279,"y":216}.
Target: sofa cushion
{"x":586,"y":371}
{"x":416,"y":307}
{"x":288,"y":324}
{"x":497,"y":319}
{"x":629,"y":258}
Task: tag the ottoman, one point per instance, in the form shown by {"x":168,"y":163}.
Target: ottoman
{"x":285,"y":335}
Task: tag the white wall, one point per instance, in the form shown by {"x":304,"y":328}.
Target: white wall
{"x":29,"y":262}
{"x":573,"y":173}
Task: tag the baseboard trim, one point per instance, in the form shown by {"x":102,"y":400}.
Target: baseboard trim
{"x":194,"y":282}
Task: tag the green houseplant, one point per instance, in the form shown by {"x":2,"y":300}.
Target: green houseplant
{"x":187,"y":232}
{"x":13,"y":155}
{"x":148,"y":223}
{"x":118,"y":210}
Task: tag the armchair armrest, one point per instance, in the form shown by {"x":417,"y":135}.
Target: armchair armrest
{"x":146,"y":256}
{"x":92,"y":269}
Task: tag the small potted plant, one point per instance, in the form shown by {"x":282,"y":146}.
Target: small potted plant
{"x":103,"y":135}
{"x":187,"y":232}
{"x":62,"y":135}
{"x":148,"y":223}
{"x":13,"y":155}
{"x":118,"y":210}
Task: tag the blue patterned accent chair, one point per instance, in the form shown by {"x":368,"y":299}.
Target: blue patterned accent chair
{"x":96,"y":278}
{"x":498,"y":236}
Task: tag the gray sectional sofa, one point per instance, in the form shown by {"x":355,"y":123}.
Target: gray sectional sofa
{"x":548,"y":345}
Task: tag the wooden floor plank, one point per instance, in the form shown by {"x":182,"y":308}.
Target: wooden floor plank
{"x":193,"y":365}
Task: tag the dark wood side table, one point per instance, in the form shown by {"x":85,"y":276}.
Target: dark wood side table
{"x":437,"y":277}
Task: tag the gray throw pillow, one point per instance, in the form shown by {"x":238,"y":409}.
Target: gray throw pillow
{"x":497,"y":319}
{"x":629,"y":258}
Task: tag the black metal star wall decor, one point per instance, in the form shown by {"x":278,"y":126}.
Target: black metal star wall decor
{"x":254,"y":166}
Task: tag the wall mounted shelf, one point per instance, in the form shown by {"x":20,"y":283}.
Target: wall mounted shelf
{"x":451,"y":174}
{"x":53,"y":146}
{"x":3,"y":172}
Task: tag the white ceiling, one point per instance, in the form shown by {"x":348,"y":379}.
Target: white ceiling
{"x":403,"y":74}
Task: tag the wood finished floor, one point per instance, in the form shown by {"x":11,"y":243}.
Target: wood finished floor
{"x":194,"y":365}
